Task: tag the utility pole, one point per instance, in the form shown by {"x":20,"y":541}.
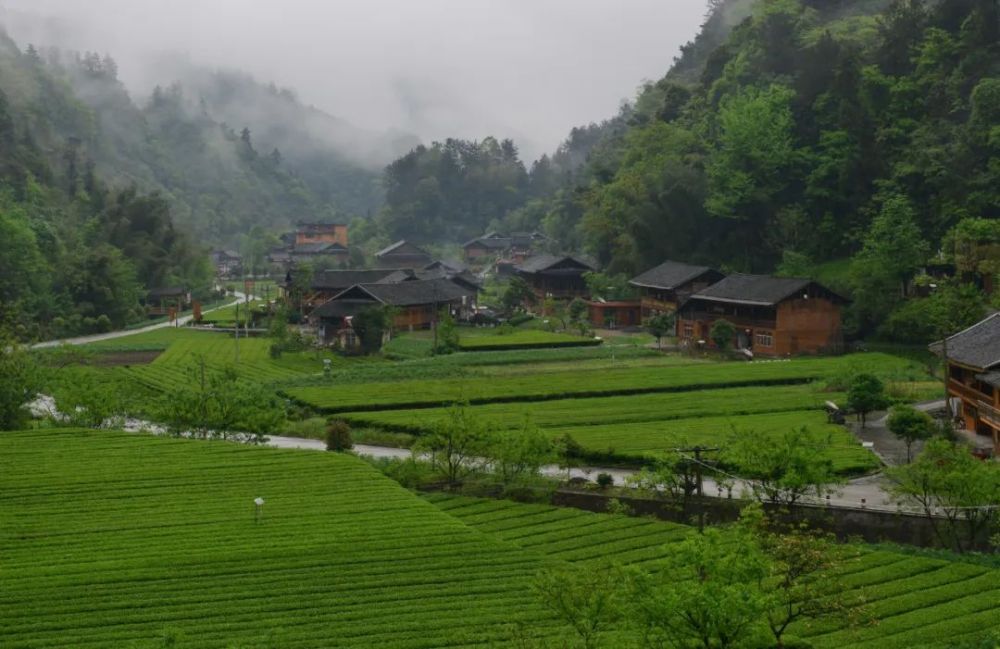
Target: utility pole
{"x":237,"y":332}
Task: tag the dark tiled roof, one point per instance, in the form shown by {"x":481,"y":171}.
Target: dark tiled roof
{"x":425,"y":291}
{"x":341,"y":279}
{"x":990,"y":378}
{"x":339,"y":308}
{"x":402,"y":243}
{"x":317,"y":248}
{"x":669,"y":275}
{"x":447,"y":264}
{"x":493,"y":243}
{"x":979,"y":345}
{"x":539,"y":263}
{"x":753,"y":289}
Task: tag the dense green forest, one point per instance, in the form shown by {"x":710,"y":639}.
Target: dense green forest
{"x":851,"y":140}
{"x":103,"y":196}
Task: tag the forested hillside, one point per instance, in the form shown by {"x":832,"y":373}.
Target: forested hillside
{"x":790,"y":136}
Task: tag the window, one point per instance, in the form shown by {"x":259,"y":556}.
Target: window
{"x":688,"y":330}
{"x":764,"y":339}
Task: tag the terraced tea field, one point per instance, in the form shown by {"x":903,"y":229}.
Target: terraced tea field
{"x":481,"y":339}
{"x":117,"y":540}
{"x":592,"y":383}
{"x":919,"y":602}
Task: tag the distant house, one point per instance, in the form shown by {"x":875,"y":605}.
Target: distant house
{"x":417,"y":302}
{"x":325,"y":284}
{"x":662,"y":289}
{"x":556,"y":276}
{"x":447,"y":265}
{"x":402,"y":254}
{"x":306,"y":233}
{"x":164,"y":300}
{"x":306,"y":252}
{"x":973,"y":358}
{"x":615,"y":314}
{"x":515,"y":247}
{"x":227,"y":263}
{"x":773,"y":316}
{"x":488,"y":247}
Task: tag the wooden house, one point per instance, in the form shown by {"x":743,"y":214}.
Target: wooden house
{"x":664,"y":288}
{"x":326,"y":284}
{"x":308,"y":233}
{"x":615,"y":314}
{"x":167,"y":300}
{"x":310,"y":252}
{"x":773,"y":316}
{"x":402,"y":254}
{"x":556,"y":276}
{"x":227,"y":263}
{"x":973,"y":358}
{"x":480,"y":249}
{"x":417,"y":303}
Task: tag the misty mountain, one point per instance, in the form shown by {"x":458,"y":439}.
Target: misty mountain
{"x":226,"y":151}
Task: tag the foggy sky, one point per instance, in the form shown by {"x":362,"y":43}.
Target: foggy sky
{"x":526,"y":69}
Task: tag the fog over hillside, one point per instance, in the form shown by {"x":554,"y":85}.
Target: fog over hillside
{"x":523,"y":69}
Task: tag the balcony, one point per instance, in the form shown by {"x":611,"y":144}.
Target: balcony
{"x":988,"y":414}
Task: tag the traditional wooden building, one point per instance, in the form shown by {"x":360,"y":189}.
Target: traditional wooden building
{"x":556,"y":276}
{"x":310,"y":252}
{"x":515,"y":247}
{"x":227,"y":263}
{"x":662,"y":289}
{"x":773,"y":316}
{"x":166,"y":300}
{"x":403,"y":254}
{"x":973,"y":358}
{"x":418,"y":304}
{"x":615,"y":314}
{"x":326,"y":284}
{"x":307,"y":233}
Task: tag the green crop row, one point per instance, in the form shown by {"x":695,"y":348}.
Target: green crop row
{"x":917,"y":601}
{"x":591,"y":383}
{"x":109,"y":539}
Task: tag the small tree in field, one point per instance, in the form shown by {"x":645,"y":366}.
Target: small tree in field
{"x":722,"y":333}
{"x":866,"y":394}
{"x":957,"y":492}
{"x":455,"y":444}
{"x":590,"y":602}
{"x":517,"y":454}
{"x":784,"y":470}
{"x":338,"y":436}
{"x":20,"y":381}
{"x":911,"y":425}
{"x":660,"y":325}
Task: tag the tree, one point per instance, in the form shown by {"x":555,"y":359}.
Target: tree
{"x":20,"y":381}
{"x":865,"y":394}
{"x":609,"y":286}
{"x":587,"y":601}
{"x":577,"y":310}
{"x":709,"y":594}
{"x":910,"y":425}
{"x":516,"y":294}
{"x":957,"y":492}
{"x":455,"y":444}
{"x":370,"y":326}
{"x":216,"y":404}
{"x":89,"y":403}
{"x":338,"y":436}
{"x":519,"y":453}
{"x":722,"y":333}
{"x":660,"y":325}
{"x":782,"y":470}
{"x":446,"y":333}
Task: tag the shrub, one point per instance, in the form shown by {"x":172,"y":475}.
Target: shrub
{"x":605,"y":480}
{"x":338,"y":436}
{"x":104,"y":323}
{"x":722,"y":333}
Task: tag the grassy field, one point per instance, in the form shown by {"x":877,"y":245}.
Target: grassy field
{"x":117,"y":540}
{"x":183,"y":346}
{"x":591,"y":383}
{"x":919,"y":602}
{"x":227,"y":315}
{"x":473,"y":339}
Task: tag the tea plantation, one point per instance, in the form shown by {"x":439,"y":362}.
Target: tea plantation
{"x":116,"y":540}
{"x":917,"y":601}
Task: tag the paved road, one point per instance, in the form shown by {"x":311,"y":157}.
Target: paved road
{"x":111,"y":335}
{"x":866,"y":493}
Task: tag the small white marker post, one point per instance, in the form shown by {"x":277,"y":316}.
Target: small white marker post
{"x":258,"y":509}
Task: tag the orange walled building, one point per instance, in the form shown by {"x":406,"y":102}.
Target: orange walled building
{"x":321,"y":233}
{"x":773,"y":316}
